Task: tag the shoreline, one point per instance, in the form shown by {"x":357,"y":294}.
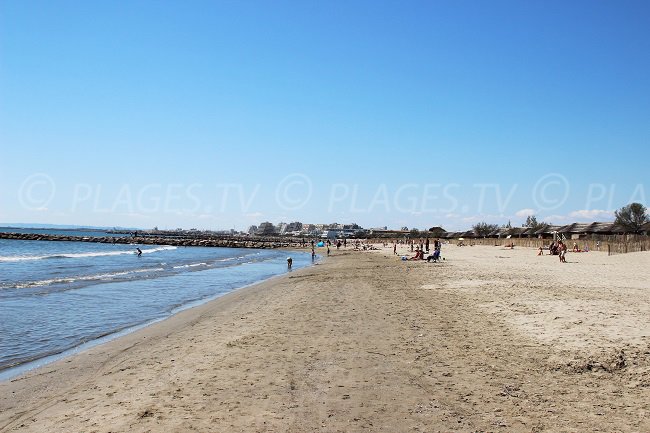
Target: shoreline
{"x":489,"y":339}
{"x":12,"y":372}
{"x":56,"y":376}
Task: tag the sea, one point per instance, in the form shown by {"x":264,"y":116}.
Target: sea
{"x":59,"y":297}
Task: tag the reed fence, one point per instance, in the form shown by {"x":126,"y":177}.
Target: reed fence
{"x":618,"y":244}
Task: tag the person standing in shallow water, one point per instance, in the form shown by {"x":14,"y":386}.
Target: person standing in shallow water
{"x":289,"y":262}
{"x":138,"y":252}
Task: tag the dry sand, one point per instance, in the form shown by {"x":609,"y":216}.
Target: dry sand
{"x":489,"y":340}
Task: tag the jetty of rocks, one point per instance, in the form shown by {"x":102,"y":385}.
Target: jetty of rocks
{"x":193,"y":241}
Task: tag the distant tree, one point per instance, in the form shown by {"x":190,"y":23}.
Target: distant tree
{"x":483,"y":229}
{"x":508,"y":226}
{"x":531,"y":221}
{"x":415,"y":233}
{"x":632,"y":217}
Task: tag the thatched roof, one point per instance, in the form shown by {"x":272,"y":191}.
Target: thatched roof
{"x":503,"y":232}
{"x":517,"y":231}
{"x":528,"y":231}
{"x":605,"y":228}
{"x":574,"y":228}
{"x":592,"y":228}
{"x":494,"y":233}
{"x":547,"y":229}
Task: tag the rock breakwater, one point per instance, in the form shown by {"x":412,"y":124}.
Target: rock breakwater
{"x":228,"y":242}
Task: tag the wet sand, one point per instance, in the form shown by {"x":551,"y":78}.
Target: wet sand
{"x":488,"y":340}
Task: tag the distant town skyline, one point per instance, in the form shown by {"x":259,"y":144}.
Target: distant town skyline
{"x":220,"y":115}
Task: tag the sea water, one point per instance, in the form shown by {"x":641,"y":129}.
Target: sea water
{"x":58,"y":295}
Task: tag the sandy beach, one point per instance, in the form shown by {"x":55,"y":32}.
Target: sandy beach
{"x":491,"y":339}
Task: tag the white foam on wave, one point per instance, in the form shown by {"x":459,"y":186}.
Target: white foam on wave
{"x":193,"y":265}
{"x":106,"y":276}
{"x":82,"y":255}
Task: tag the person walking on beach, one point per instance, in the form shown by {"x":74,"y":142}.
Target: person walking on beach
{"x":395,"y":248}
{"x":313,"y":254}
{"x":562,"y":248}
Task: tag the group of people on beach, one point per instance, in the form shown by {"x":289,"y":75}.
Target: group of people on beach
{"x":327,"y":243}
{"x":557,"y":248}
{"x":422,"y":249}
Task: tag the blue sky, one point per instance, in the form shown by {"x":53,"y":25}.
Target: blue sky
{"x":223,"y":114}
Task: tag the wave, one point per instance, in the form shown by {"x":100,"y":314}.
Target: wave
{"x":193,"y":265}
{"x":82,"y":255}
{"x":68,"y":280}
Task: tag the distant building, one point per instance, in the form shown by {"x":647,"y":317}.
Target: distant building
{"x":383,"y":232}
{"x":266,"y":229}
{"x":293,"y":227}
{"x":311,"y":229}
{"x":437,"y":231}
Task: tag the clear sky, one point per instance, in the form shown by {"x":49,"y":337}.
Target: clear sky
{"x":214,"y":114}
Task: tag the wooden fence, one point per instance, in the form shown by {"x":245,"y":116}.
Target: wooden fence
{"x":633,"y":246}
{"x":619,"y":244}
